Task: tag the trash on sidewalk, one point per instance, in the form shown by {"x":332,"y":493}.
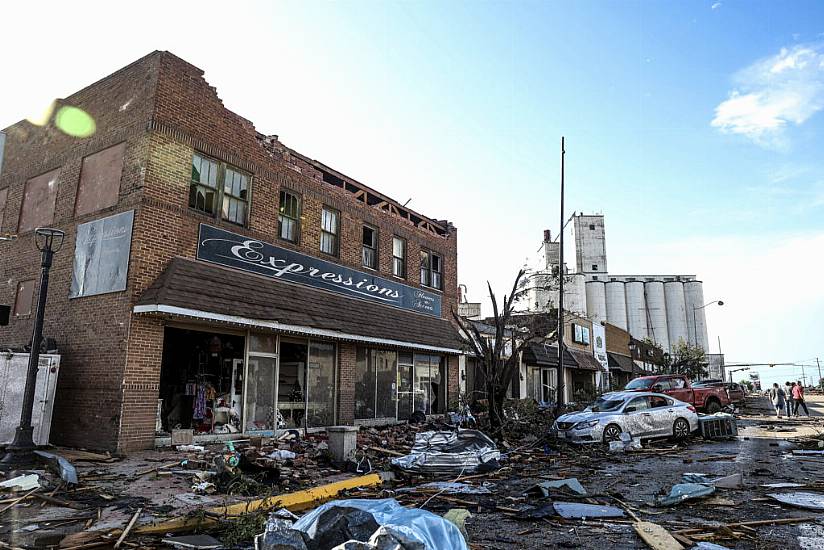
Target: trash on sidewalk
{"x":464,"y":451}
{"x":279,"y":534}
{"x":536,"y":512}
{"x":626,"y":443}
{"x":64,"y":468}
{"x":656,"y":536}
{"x":783,"y":485}
{"x":572,"y":510}
{"x":717,"y":426}
{"x":21,"y":483}
{"x":201,"y":542}
{"x":809,"y":501}
{"x":703,"y":545}
{"x":572,"y":484}
{"x":733,"y":481}
{"x":458,"y":516}
{"x":449,"y":487}
{"x":807,"y":452}
{"x":683,"y":491}
{"x":282,"y":454}
{"x":384,"y":523}
{"x":191,"y":448}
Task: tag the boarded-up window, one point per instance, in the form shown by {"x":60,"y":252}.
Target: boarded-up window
{"x":25,"y":297}
{"x":100,"y":180}
{"x":4,"y":194}
{"x":38,"y":202}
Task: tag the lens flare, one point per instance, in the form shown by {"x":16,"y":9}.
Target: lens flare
{"x":42,"y":118}
{"x":75,"y":122}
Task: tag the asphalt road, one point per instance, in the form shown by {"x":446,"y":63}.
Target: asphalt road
{"x":760,"y":453}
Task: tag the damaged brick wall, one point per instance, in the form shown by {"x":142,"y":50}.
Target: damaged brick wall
{"x":91,"y":332}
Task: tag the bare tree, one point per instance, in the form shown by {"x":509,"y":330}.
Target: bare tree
{"x":499,"y":353}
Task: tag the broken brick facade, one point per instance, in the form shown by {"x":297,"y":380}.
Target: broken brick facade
{"x":161,"y":112}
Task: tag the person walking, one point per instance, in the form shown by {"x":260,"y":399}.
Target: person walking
{"x":778,"y":398}
{"x":788,"y":392}
{"x":798,"y":399}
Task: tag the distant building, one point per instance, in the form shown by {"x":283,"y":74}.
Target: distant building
{"x":663,"y":308}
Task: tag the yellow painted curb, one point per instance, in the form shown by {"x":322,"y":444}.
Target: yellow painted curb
{"x":296,"y":502}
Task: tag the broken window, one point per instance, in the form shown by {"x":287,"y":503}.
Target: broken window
{"x":217,"y":186}
{"x":431,"y":269}
{"x":235,"y":196}
{"x":25,"y":298}
{"x":38,"y":202}
{"x":4,"y":194}
{"x":370,"y":247}
{"x":289,"y":216}
{"x":329,"y":230}
{"x":399,"y":257}
{"x":99,"y":185}
{"x":375,"y":384}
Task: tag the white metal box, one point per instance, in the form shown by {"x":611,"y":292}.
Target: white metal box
{"x":12,"y":384}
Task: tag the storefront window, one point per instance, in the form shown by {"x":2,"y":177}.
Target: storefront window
{"x":430,"y":384}
{"x":405,"y":385}
{"x":260,"y":393}
{"x":291,"y":382}
{"x":376,"y":389}
{"x":320,"y":381}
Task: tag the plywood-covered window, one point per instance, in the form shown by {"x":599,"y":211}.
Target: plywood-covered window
{"x":25,"y":298}
{"x":100,"y":180}
{"x":38,"y":202}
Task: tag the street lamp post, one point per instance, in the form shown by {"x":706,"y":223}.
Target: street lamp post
{"x":48,"y":241}
{"x":695,"y":319}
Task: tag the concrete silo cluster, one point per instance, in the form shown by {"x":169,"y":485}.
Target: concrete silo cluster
{"x":664,"y":308}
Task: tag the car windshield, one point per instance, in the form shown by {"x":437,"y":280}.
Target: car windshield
{"x":605,"y":404}
{"x":640,"y":384}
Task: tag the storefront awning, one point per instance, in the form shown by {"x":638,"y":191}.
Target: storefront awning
{"x":193,"y":289}
{"x":620,"y":363}
{"x":546,"y":355}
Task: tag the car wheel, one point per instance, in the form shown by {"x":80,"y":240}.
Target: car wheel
{"x":612,"y":433}
{"x":713,"y":407}
{"x":680,"y":429}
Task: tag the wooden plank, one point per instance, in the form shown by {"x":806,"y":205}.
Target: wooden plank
{"x":295,"y":502}
{"x":656,"y":537}
{"x":128,"y":528}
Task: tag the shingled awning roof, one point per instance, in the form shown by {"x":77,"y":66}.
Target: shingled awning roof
{"x":621,"y":363}
{"x":546,"y":355}
{"x":190,"y":288}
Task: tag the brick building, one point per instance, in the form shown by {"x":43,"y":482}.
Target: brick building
{"x":213,"y":278}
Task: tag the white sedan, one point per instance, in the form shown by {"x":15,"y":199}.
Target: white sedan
{"x":643,"y":415}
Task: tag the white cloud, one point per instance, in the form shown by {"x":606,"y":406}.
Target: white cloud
{"x":715,"y":6}
{"x":773,"y":93}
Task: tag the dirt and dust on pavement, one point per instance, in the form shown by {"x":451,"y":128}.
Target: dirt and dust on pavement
{"x":143,"y":499}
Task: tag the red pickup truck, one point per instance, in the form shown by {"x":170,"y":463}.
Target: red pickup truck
{"x":709,"y":399}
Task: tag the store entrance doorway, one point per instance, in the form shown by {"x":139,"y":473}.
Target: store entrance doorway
{"x":201,"y":381}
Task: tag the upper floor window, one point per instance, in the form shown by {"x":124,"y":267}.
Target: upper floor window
{"x":99,"y":185}
{"x":25,"y":298}
{"x":370,"y":247}
{"x":289,"y":216}
{"x":431,"y":269}
{"x":219,"y":187}
{"x":399,"y":257}
{"x":329,"y":231}
{"x":38,"y":202}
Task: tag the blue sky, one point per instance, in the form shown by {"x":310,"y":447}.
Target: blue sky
{"x":693,"y":126}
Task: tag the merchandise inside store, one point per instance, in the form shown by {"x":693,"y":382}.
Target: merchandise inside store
{"x":201,"y":381}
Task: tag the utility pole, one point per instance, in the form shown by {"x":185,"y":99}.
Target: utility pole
{"x":559,"y":401}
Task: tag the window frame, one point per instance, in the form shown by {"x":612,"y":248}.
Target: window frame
{"x":22,"y":283}
{"x":220,"y":190}
{"x":373,"y":248}
{"x":336,"y":235}
{"x":299,"y":198}
{"x":430,"y":270}
{"x":404,"y":261}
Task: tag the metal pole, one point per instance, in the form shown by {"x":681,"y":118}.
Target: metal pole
{"x":820,"y":380}
{"x":560,"y":397}
{"x":694,"y":328}
{"x":20,"y":449}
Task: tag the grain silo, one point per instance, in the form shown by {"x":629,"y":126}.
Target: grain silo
{"x":656,"y":313}
{"x":676,"y":312}
{"x":616,"y":304}
{"x":636,"y":309}
{"x":596,"y":301}
{"x":696,"y":321}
